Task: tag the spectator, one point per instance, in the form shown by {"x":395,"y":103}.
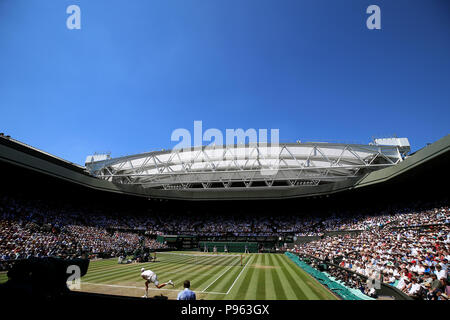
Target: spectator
{"x":186,"y":294}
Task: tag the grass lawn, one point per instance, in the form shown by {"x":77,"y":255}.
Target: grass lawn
{"x":261,"y":277}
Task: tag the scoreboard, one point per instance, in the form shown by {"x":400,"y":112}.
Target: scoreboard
{"x":188,"y":242}
{"x":179,"y":241}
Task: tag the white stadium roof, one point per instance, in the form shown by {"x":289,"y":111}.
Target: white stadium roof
{"x":262,"y":166}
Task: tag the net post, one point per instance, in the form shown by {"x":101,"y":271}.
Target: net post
{"x":241,"y":260}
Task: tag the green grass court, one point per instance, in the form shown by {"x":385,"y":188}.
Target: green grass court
{"x":220,"y":277}
{"x":262,"y":277}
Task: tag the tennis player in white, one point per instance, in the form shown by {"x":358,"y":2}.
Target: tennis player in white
{"x":150,"y":276}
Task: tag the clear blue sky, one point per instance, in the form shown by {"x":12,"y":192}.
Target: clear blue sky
{"x":138,"y":69}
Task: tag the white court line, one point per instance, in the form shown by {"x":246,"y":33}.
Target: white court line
{"x":238,"y":276}
{"x":217,"y":278}
{"x":133,"y":287}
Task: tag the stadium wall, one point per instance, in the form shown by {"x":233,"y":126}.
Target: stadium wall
{"x":434,"y":150}
{"x":231,"y":246}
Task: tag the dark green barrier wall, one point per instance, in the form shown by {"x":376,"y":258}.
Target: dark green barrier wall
{"x":232,"y":246}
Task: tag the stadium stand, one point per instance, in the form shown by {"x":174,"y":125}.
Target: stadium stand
{"x":407,"y":247}
{"x":327,"y":280}
{"x":398,"y":228}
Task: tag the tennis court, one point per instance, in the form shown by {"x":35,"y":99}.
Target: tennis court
{"x":221,"y":276}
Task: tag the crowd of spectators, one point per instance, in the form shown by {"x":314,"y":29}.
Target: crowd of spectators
{"x":411,"y":253}
{"x":34,"y":229}
{"x":349,"y":279}
{"x":407,"y":247}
